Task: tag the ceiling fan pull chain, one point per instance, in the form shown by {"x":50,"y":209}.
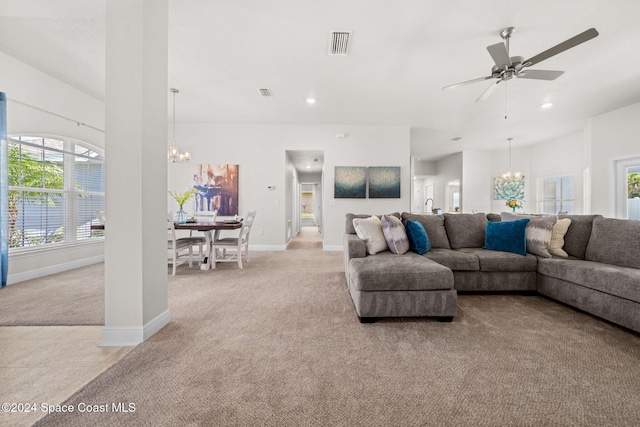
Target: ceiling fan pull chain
{"x":505,"y":100}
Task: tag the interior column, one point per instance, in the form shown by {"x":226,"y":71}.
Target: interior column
{"x":136,"y":303}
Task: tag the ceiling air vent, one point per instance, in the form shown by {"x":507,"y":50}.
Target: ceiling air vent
{"x":339,"y":43}
{"x":265,"y":92}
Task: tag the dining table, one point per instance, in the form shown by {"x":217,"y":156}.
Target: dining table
{"x":211,"y":230}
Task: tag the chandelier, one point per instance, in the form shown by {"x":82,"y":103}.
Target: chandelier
{"x":510,"y":186}
{"x":508,"y":174}
{"x":176,"y":155}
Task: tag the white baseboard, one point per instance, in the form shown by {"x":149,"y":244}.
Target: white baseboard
{"x":53,"y":269}
{"x":157,"y":323}
{"x":131,"y":336}
{"x":262,"y":248}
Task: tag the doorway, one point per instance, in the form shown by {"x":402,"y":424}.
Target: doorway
{"x":307,"y":197}
{"x":628,"y":188}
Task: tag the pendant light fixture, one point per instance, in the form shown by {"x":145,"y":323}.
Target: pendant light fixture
{"x":509,"y":174}
{"x":176,"y":155}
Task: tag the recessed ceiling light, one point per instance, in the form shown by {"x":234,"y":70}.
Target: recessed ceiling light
{"x":311,"y":100}
{"x":547,"y":105}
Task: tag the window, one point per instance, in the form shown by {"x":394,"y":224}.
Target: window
{"x":555,"y":194}
{"x":628,"y":188}
{"x":55,"y":188}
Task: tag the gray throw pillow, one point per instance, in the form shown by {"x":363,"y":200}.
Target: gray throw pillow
{"x":434,"y":226}
{"x":465,"y":230}
{"x":395,"y":234}
{"x":538,"y":233}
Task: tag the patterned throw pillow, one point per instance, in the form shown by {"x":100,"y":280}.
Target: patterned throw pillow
{"x":539,"y":231}
{"x":560,"y":228}
{"x":370,"y":230}
{"x":418,"y":239}
{"x":395,"y":234}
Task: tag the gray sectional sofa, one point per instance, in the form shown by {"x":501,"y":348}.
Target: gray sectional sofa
{"x":601,"y":274}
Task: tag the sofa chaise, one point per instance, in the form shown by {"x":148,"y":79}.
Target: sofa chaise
{"x":598,"y":273}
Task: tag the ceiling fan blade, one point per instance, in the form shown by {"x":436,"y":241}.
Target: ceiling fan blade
{"x":499,"y":54}
{"x":488,"y":92}
{"x":467,"y":82}
{"x":565,"y":45}
{"x":540,"y":74}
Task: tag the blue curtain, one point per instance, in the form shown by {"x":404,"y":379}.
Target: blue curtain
{"x":4,"y":193}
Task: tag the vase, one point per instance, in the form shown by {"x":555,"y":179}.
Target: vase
{"x":181,"y":216}
{"x":514,"y":209}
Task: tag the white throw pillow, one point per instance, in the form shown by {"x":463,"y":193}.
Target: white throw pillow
{"x":560,"y":228}
{"x":370,"y":230}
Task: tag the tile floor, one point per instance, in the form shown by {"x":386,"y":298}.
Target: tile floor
{"x":47,"y":364}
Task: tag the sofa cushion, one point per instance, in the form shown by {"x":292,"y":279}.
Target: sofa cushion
{"x":539,"y":231}
{"x":611,"y":279}
{"x":560,"y":229}
{"x":455,"y":260}
{"x":577,"y":237}
{"x":502,"y":261}
{"x":494,"y":217}
{"x":434,"y":225}
{"x":507,"y":236}
{"x":465,"y":230}
{"x":418,"y":238}
{"x":388,"y":272}
{"x":348,"y":226}
{"x":370,"y":230}
{"x":394,"y":234}
{"x":615,"y":241}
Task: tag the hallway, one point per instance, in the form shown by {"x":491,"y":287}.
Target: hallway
{"x":308,"y":238}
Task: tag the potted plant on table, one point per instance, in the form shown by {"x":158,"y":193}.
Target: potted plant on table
{"x":181,"y":199}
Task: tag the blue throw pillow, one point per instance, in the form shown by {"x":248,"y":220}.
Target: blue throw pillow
{"x":418,"y":239}
{"x":507,"y":236}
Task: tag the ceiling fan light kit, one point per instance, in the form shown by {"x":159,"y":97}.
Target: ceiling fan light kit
{"x":507,"y":67}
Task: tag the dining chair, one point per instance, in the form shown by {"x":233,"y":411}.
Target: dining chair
{"x":200,"y":240}
{"x":176,"y":245}
{"x":101,"y":217}
{"x":237,"y":244}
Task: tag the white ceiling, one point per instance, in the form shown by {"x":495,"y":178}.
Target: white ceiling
{"x":402,"y":54}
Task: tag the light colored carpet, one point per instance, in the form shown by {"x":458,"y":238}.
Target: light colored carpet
{"x":278,"y":344}
{"x":72,"y":298}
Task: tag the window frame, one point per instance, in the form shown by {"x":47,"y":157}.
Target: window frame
{"x":540,"y":196}
{"x":69,"y":191}
{"x":621,"y":184}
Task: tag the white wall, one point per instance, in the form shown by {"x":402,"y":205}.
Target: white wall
{"x":24,"y":84}
{"x":30,"y":95}
{"x":614,"y":135}
{"x":477,"y":181}
{"x":449,"y":168}
{"x":259,"y":150}
{"x":310,"y":177}
{"x":290,"y":199}
{"x":520,"y":162}
{"x":562,"y":156}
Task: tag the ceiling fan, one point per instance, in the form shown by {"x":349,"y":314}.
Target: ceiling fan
{"x":508,"y":67}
